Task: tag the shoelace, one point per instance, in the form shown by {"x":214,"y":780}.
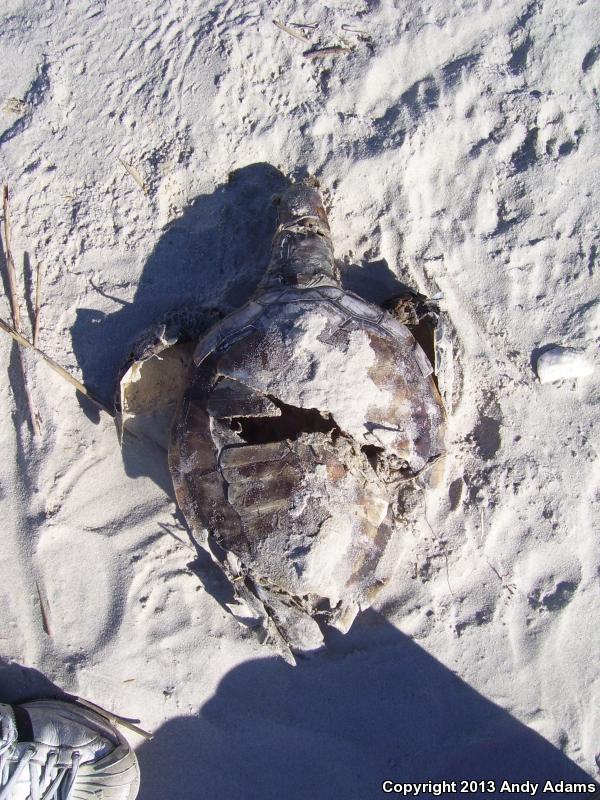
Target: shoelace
{"x":47,"y":782}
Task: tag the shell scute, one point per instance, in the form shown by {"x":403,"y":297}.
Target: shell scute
{"x":233,"y":399}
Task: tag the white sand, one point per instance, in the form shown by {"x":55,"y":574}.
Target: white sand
{"x":464,"y":151}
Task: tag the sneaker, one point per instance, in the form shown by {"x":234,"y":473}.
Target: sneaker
{"x":57,"y":750}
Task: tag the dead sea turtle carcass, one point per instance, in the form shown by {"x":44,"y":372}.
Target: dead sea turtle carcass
{"x":302,"y":416}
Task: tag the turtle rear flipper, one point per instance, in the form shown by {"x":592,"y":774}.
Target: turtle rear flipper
{"x":287,"y":628}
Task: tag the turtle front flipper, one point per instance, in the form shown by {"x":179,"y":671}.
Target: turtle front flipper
{"x":434,"y":331}
{"x":155,"y":374}
{"x":413,"y":309}
{"x":422,"y":317}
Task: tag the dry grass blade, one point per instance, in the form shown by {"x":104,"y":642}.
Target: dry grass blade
{"x":135,"y":174}
{"x":34,"y":414}
{"x":290,"y":32}
{"x":442,"y":545}
{"x":172,"y":533}
{"x":44,"y":609}
{"x":350,"y":29}
{"x":10,"y":264}
{"x":326,"y":51}
{"x":36,"y":317}
{"x":80,"y":387}
{"x":510,"y":587}
{"x":16,"y":311}
{"x":114,"y":718}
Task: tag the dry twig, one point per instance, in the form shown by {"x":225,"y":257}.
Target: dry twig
{"x":36,"y":313}
{"x":114,"y":718}
{"x":350,"y":29}
{"x":44,"y":609}
{"x":34,"y":415}
{"x":172,"y":533}
{"x":10,"y":264}
{"x":80,"y":387}
{"x":289,"y":31}
{"x":326,"y":51}
{"x":135,"y":174}
{"x":441,"y":543}
{"x":510,"y":587}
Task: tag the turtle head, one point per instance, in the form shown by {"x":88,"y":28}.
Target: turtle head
{"x":302,"y":202}
{"x":302,"y":253}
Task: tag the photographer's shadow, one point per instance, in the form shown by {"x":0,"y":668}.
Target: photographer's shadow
{"x":375,"y":706}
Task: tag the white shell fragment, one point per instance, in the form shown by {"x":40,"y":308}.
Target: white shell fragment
{"x":563,"y":363}
{"x":149,"y":392}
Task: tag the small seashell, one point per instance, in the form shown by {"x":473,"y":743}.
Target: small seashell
{"x":563,"y":363}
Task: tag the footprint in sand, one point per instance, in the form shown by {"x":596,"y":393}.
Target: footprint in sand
{"x":554,"y":598}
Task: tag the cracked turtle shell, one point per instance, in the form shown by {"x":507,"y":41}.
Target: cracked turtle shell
{"x":307,"y":409}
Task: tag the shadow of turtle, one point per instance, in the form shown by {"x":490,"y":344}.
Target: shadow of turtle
{"x":374,"y":281}
{"x":375,"y":706}
{"x":214,"y":254}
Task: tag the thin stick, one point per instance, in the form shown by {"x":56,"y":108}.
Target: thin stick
{"x":36,"y":325}
{"x":36,"y":313}
{"x":10,"y":265}
{"x":510,"y":587}
{"x":326,"y":51}
{"x":114,"y":718}
{"x":16,"y":311}
{"x":44,"y":609}
{"x":80,"y":387}
{"x":289,"y":31}
{"x":34,"y":414}
{"x":443,"y":544}
{"x":350,"y":29}
{"x":168,"y":530}
{"x":135,"y":175}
